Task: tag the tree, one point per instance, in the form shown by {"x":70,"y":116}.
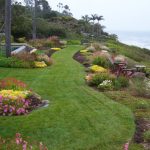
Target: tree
{"x":33,"y":5}
{"x":21,"y":21}
{"x":86,"y":18}
{"x":60,"y":7}
{"x":2,"y":10}
{"x":99,"y":27}
{"x":8,"y":27}
{"x":93,"y":18}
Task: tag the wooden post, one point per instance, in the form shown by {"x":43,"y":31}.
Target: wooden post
{"x":8,"y":27}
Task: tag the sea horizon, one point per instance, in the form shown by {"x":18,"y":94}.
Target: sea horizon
{"x":135,"y":38}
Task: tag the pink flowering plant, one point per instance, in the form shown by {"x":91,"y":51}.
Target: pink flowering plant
{"x":14,"y":102}
{"x":19,"y":143}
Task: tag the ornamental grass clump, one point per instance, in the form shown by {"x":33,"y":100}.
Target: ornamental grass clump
{"x":101,"y":61}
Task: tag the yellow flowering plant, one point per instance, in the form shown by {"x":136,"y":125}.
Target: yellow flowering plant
{"x":14,"y":95}
{"x":56,"y":49}
{"x":84,"y":51}
{"x":40,"y":64}
{"x":96,"y":68}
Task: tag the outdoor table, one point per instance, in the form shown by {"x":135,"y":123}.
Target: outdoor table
{"x":140,"y":67}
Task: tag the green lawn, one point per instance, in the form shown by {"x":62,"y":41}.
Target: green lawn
{"x":78,"y":117}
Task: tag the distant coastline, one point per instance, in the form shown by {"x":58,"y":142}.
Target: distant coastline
{"x":135,"y":38}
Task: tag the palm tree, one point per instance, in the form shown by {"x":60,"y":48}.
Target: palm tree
{"x":99,"y":18}
{"x":93,"y":18}
{"x":8,"y":27}
{"x":86,"y":18}
{"x":99,"y":27}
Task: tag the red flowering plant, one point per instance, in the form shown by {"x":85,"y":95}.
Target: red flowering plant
{"x":12,"y":83}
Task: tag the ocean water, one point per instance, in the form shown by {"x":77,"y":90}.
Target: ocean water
{"x":136,"y":38}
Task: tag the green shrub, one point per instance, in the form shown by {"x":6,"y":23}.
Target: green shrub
{"x":101,"y":61}
{"x":73,"y":42}
{"x":120,"y":82}
{"x":142,"y":105}
{"x":21,"y":40}
{"x":99,"y":78}
{"x":13,"y":62}
{"x":147,"y":136}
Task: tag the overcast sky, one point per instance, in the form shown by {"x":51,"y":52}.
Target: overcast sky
{"x":127,"y":15}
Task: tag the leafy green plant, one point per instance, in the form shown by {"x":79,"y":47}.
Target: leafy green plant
{"x":121,"y":82}
{"x":142,"y":105}
{"x":14,"y":62}
{"x":101,"y":61}
{"x":99,"y":78}
{"x":147,"y":136}
{"x":21,"y":40}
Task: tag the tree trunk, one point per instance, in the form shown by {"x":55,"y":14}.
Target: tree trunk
{"x":34,"y":20}
{"x":8,"y":27}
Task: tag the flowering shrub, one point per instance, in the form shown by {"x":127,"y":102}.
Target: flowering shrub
{"x":39,"y":64}
{"x":89,"y":78}
{"x":105,"y":85}
{"x":96,"y":68}
{"x":12,"y":83}
{"x":98,"y":78}
{"x":45,"y":58}
{"x":56,"y":49}
{"x":52,"y":41}
{"x":14,"y":102}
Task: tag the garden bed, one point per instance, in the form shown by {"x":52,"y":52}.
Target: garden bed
{"x":16,"y":99}
{"x":142,"y":124}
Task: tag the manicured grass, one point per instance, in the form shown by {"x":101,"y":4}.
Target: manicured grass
{"x":78,"y":117}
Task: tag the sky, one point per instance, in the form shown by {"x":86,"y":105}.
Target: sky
{"x":123,"y":15}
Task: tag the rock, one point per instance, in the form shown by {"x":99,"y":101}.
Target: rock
{"x":45,"y":103}
{"x":91,"y":48}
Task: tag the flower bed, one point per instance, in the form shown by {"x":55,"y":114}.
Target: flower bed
{"x":15,"y":99}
